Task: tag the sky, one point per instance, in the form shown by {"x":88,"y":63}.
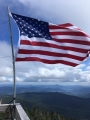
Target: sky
{"x":76,"y":12}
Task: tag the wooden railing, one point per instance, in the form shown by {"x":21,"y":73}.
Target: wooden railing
{"x":13,"y":112}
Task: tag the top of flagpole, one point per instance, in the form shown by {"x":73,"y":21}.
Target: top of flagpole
{"x":9,"y":11}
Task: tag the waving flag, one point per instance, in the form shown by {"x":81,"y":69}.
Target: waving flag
{"x":50,"y":43}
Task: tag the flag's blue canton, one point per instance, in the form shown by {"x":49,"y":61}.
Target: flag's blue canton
{"x":32,"y":27}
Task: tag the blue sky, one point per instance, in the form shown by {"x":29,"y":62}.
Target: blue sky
{"x":54,"y":11}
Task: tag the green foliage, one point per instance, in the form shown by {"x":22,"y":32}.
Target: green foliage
{"x":2,"y":116}
{"x":38,"y":114}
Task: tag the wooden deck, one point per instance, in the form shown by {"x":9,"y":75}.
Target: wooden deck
{"x":14,"y":111}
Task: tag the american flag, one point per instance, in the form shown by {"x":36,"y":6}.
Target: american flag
{"x":50,"y":43}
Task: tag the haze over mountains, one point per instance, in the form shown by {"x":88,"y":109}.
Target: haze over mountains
{"x":76,"y":90}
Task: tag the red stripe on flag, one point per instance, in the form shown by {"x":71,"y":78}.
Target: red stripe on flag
{"x":21,"y":51}
{"x":45,"y":44}
{"x":65,"y":25}
{"x":81,"y":42}
{"x":56,"y":27}
{"x":73,"y":33}
{"x":60,"y":26}
{"x":46,"y":61}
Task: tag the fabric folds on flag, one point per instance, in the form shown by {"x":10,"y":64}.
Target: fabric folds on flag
{"x":50,"y":43}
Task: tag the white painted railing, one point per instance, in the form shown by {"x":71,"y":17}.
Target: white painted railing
{"x":14,"y":111}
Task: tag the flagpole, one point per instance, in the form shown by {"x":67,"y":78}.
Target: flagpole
{"x":13,"y":61}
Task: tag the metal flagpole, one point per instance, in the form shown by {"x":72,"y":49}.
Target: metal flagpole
{"x":14,"y":78}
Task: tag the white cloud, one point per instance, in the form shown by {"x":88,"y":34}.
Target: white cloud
{"x":88,"y":68}
{"x":52,"y":73}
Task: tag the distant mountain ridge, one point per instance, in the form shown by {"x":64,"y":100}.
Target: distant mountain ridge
{"x":76,"y":90}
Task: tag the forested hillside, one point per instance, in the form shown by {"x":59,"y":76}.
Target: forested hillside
{"x":38,"y":114}
{"x":65,"y":105}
